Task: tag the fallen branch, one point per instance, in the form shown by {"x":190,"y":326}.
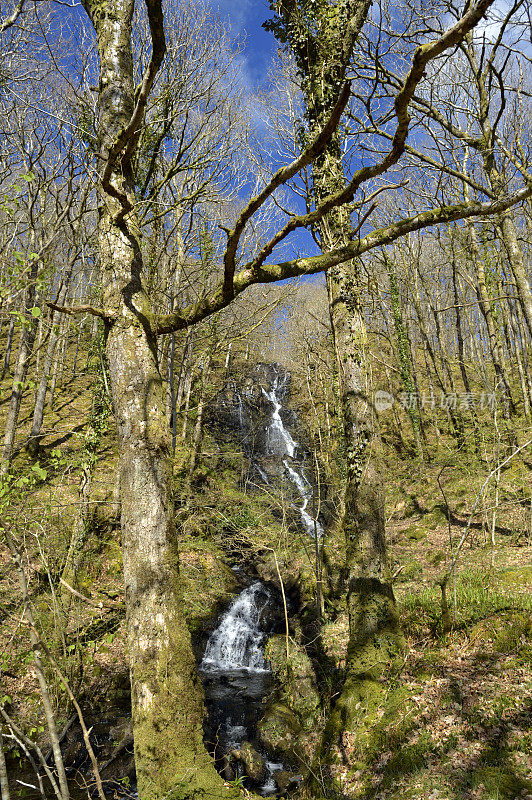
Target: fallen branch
{"x":96,"y":603}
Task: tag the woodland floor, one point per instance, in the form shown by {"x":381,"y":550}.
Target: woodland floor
{"x":457,"y":721}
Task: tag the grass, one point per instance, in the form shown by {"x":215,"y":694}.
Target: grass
{"x":479,"y":594}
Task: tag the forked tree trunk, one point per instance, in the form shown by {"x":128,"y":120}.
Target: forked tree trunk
{"x":167,"y":705}
{"x":166,"y":694}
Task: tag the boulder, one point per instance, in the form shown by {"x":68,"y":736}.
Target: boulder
{"x":279,"y":730}
{"x":285,"y":780}
{"x":252,"y":762}
{"x":295,"y":677}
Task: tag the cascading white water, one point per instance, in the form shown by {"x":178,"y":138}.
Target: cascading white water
{"x":281,"y":443}
{"x":235,"y":674}
{"x":279,"y":440}
{"x":312,"y":526}
{"x":236,"y":642}
{"x":236,"y":677}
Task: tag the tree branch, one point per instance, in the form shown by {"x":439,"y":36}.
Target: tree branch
{"x":10,"y":21}
{"x":279,"y":178}
{"x":82,"y":309}
{"x":422,"y":56}
{"x":269,"y":273}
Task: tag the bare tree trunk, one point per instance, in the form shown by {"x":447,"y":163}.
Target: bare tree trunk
{"x":517,"y":265}
{"x":485,"y":307}
{"x":404,"y":359}
{"x":9,"y":344}
{"x":188,"y":383}
{"x":187,"y":353}
{"x":198,"y":428}
{"x":53,"y":383}
{"x":38,"y":413}
{"x":520,"y":332}
{"x":4,"y":783}
{"x":461,"y":352}
{"x":27,"y":340}
{"x":166,"y":693}
{"x":514,"y":344}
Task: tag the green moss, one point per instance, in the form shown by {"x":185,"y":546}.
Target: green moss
{"x":499,"y":782}
{"x":436,"y":558}
{"x":415,"y":533}
{"x":516,"y":576}
{"x":507,"y":631}
{"x":208,"y":583}
{"x":296,"y":678}
{"x":279,"y":730}
{"x":411,"y":572}
{"x":408,"y":759}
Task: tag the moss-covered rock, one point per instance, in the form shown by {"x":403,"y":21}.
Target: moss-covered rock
{"x":208,"y":583}
{"x":295,"y":676}
{"x":506,"y":631}
{"x":252,"y":762}
{"x":279,"y":730}
{"x":415,"y":533}
{"x":517,"y":576}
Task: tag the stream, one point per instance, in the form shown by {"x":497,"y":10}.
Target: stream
{"x":235,"y":675}
{"x":236,"y":678}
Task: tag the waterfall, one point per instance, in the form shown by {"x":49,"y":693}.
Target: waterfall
{"x":236,"y":642}
{"x":280,"y":443}
{"x":236,"y":678}
{"x":312,"y":526}
{"x":235,"y":674}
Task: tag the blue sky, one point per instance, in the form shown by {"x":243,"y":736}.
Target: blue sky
{"x":246,"y":18}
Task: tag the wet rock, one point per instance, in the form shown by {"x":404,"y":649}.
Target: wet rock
{"x":252,"y":762}
{"x":285,"y":781}
{"x":296,"y":678}
{"x":279,"y":730}
{"x":120,"y":735}
{"x":242,"y":410}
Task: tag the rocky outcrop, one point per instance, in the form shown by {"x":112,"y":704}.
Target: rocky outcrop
{"x":295,"y":679}
{"x":253,"y":764}
{"x":241,"y":412}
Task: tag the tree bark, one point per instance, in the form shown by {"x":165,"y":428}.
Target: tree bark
{"x":374,"y":633}
{"x":38,"y":412}
{"x":198,"y":428}
{"x":9,"y":344}
{"x":485,"y":307}
{"x":166,"y":694}
{"x":4,"y":783}
{"x":27,"y":341}
{"x":406,"y":366}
